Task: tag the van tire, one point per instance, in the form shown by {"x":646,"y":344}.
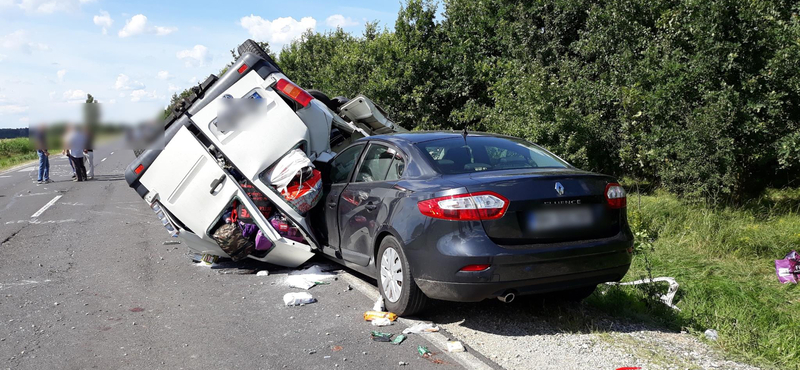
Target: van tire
{"x":411,"y":299}
{"x":137,"y":153}
{"x":250,"y":46}
{"x":323,"y":98}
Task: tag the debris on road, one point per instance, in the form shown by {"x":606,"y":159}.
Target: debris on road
{"x":381,"y":337}
{"x":381,"y":321}
{"x":399,"y":339}
{"x":379,"y":305}
{"x":455,"y":346}
{"x":171,"y":242}
{"x":788,"y":269}
{"x":372,"y":315}
{"x":262,"y":273}
{"x":298,"y":299}
{"x":299,"y":282}
{"x":423,"y":351}
{"x":666,"y":298}
{"x":421,"y":328}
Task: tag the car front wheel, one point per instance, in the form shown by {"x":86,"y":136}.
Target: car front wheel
{"x":400,"y":293}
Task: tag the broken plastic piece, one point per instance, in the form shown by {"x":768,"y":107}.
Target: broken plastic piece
{"x":372,"y":315}
{"x":399,"y":339}
{"x":381,"y":321}
{"x":667,"y":298}
{"x":421,"y":328}
{"x":423,"y":351}
{"x":296,"y":299}
{"x":299,"y":282}
{"x":455,"y":346}
{"x":262,"y":273}
{"x":379,"y":306}
{"x":381,"y":337}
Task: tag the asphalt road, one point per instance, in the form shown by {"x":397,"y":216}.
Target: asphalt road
{"x":86,"y":282}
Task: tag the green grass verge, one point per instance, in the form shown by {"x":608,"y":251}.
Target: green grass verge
{"x":723,"y":259}
{"x":15,"y":151}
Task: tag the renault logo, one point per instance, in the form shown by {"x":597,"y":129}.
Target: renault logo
{"x":559,"y":188}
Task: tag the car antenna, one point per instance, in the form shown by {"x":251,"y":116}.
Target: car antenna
{"x":464,"y":135}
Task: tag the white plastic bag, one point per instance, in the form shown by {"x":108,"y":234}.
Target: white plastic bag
{"x":421,"y":328}
{"x":285,"y":170}
{"x":381,"y":321}
{"x":299,"y":282}
{"x":296,"y":299}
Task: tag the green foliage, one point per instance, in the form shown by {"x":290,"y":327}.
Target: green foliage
{"x":15,"y":151}
{"x":702,"y":98}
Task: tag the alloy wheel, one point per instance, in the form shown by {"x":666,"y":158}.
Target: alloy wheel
{"x":391,"y":274}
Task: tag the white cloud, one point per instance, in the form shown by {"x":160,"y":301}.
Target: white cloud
{"x":24,"y":119}
{"x":61,"y":74}
{"x":173,"y":88}
{"x":143,"y":95}
{"x":193,"y":80}
{"x":164,"y":75}
{"x":277,"y":31}
{"x":18,"y":41}
{"x":3,"y":57}
{"x":49,"y":6}
{"x":13,"y":109}
{"x":338,"y":20}
{"x":103,"y":20}
{"x":112,"y":101}
{"x":137,"y":25}
{"x":197,"y":56}
{"x":125,"y":83}
{"x":74,"y":96}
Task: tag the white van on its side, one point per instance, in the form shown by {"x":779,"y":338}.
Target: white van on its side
{"x":243,"y":123}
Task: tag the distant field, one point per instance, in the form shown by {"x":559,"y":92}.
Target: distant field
{"x":15,"y":151}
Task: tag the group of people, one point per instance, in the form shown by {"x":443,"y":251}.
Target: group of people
{"x":77,"y":147}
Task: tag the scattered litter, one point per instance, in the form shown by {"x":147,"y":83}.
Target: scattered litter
{"x":171,"y":242}
{"x":336,"y":348}
{"x":788,"y":269}
{"x":421,"y":328}
{"x":711,"y":334}
{"x":379,"y":306}
{"x":299,"y":298}
{"x":401,"y":363}
{"x":313,"y":273}
{"x":381,"y":337}
{"x":372,"y":315}
{"x":455,"y":346}
{"x":399,"y":339}
{"x":299,"y":282}
{"x":327,"y":357}
{"x":349,"y":288}
{"x":423,"y":351}
{"x":667,"y":298}
{"x":262,"y":273}
{"x":381,"y":321}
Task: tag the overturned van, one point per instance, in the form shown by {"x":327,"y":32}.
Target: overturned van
{"x":220,"y":148}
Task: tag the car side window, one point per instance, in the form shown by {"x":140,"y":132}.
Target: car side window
{"x":396,"y":169}
{"x":376,"y":163}
{"x":343,"y":164}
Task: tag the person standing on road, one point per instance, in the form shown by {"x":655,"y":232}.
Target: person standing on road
{"x":40,"y":140}
{"x":76,"y":143}
{"x":89,"y":154}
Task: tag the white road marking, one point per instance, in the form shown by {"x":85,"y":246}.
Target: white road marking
{"x":26,"y":169}
{"x":37,"y":222}
{"x":46,"y":206}
{"x":103,"y":160}
{"x":22,"y":283}
{"x":112,"y":153}
{"x":466,"y":359}
{"x":4,"y":176}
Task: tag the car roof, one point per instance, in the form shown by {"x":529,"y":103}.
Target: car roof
{"x":423,"y":136}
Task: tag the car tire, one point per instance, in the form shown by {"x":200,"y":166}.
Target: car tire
{"x":253,"y":47}
{"x":410,"y":299}
{"x":325,"y":99}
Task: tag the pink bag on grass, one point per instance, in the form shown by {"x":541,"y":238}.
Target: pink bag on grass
{"x":788,"y":268}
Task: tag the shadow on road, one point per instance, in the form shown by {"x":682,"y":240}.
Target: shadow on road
{"x":108,"y":178}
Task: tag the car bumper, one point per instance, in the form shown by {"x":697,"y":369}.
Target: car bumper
{"x":520,"y":269}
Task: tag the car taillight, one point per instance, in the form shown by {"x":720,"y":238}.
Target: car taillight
{"x":484,"y":205}
{"x":475,"y":268}
{"x":297,"y":94}
{"x":615,"y":196}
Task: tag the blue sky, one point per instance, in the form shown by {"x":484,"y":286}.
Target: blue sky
{"x":133,"y":55}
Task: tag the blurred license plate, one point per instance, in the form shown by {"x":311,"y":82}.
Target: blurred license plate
{"x":566,"y":218}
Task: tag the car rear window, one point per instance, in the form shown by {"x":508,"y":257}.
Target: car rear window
{"x":486,"y":153}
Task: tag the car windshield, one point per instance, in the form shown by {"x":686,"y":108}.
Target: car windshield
{"x":486,"y":153}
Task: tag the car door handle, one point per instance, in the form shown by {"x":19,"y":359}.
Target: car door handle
{"x":371,"y":206}
{"x":215,"y":184}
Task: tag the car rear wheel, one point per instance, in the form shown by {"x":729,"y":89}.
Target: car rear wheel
{"x":400,"y":293}
{"x":253,"y":47}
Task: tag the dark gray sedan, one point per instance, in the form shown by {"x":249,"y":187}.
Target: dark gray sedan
{"x":470,"y":216}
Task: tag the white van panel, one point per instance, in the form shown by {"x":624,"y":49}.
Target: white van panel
{"x":256,"y":145}
{"x":182,"y":176}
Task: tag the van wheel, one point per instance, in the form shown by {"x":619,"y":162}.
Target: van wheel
{"x":324,"y":99}
{"x":253,"y":47}
{"x":401,"y":294}
{"x":137,"y":153}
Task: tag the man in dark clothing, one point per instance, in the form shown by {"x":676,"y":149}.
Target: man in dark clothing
{"x":40,"y":141}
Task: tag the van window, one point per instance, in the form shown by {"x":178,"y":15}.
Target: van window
{"x":486,"y":153}
{"x":343,"y":164}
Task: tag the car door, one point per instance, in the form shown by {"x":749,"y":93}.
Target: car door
{"x":365,"y":202}
{"x":339,"y":174}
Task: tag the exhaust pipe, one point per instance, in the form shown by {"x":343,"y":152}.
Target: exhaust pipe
{"x":507,"y":298}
